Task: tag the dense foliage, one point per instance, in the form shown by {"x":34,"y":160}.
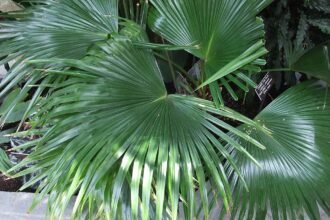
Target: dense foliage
{"x":117,"y":119}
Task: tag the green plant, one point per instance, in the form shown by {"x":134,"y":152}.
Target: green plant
{"x":111,"y":133}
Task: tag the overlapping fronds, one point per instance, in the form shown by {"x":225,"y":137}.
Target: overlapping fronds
{"x":112,"y":126}
{"x":227,"y":34}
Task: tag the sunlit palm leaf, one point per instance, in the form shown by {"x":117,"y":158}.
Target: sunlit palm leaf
{"x":113,"y":128}
{"x":224,"y":30}
{"x":295,"y":173}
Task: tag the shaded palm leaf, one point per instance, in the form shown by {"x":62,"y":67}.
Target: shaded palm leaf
{"x":314,"y":62}
{"x":225,"y":31}
{"x":295,"y":173}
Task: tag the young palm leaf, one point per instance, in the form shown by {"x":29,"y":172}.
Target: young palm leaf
{"x":227,"y":34}
{"x":295,"y":176}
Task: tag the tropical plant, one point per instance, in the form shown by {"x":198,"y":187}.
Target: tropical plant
{"x":110,"y":132}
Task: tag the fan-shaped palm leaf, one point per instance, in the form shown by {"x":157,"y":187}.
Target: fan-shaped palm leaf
{"x":113,"y":127}
{"x":226,"y":31}
{"x":295,"y":173}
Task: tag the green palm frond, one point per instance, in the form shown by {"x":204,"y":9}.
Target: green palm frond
{"x":113,"y":127}
{"x":62,"y":29}
{"x":295,"y":174}
{"x":227,"y":33}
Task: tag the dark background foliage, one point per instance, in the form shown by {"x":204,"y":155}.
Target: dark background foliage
{"x":288,"y":21}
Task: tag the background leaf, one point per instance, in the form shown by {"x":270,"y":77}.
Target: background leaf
{"x":315,"y":62}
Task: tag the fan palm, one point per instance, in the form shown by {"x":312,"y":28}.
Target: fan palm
{"x":110,"y":133}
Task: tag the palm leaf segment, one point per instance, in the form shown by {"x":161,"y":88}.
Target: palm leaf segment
{"x":226,"y":33}
{"x":295,"y":177}
{"x":117,"y":138}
